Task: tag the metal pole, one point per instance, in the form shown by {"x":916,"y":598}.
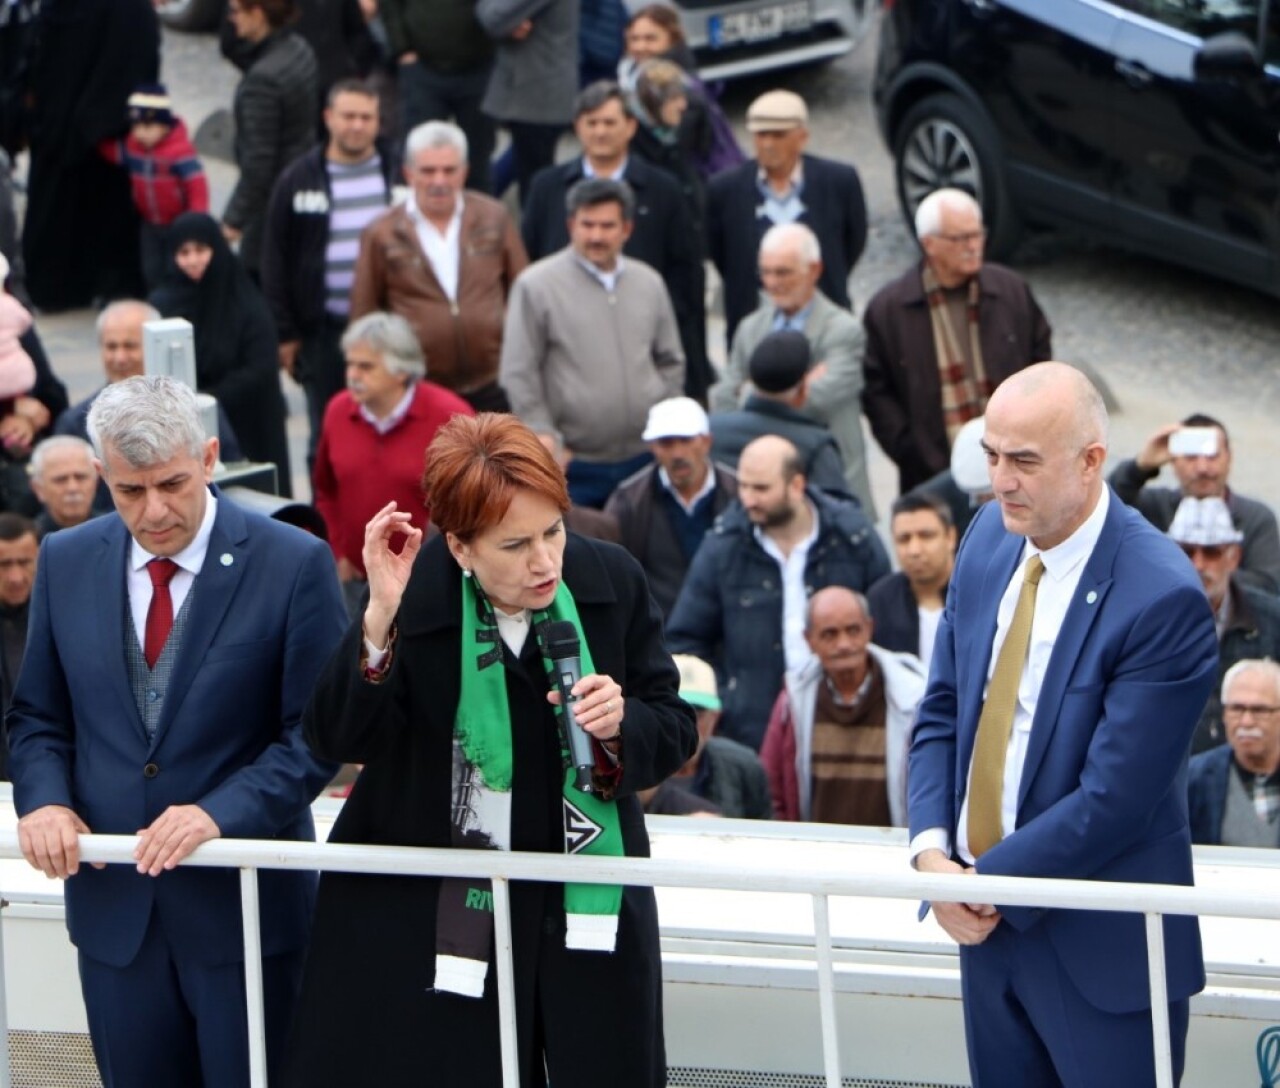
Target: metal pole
{"x":1159,"y":1001}
{"x":826,"y":990}
{"x":5,"y":1081}
{"x":506,"y":981}
{"x":253,"y":977}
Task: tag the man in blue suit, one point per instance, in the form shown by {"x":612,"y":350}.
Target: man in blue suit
{"x":1067,"y":756}
{"x":172,"y":648}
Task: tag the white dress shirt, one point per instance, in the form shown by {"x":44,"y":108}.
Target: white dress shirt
{"x":189,"y":560}
{"x":1063,"y":567}
{"x":708,"y":486}
{"x":442,"y":249}
{"x":794,"y":598}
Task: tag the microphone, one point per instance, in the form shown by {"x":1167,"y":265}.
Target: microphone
{"x":560,"y":638}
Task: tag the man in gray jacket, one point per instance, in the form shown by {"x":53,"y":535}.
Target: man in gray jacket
{"x":591,"y":344}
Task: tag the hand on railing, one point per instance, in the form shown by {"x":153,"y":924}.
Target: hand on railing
{"x":49,"y":837}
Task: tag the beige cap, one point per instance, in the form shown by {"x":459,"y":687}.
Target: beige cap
{"x":777,"y":111}
{"x":697,"y":682}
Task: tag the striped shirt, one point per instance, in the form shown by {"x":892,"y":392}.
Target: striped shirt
{"x":358,"y":195}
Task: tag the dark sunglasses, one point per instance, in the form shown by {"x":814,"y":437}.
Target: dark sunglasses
{"x":1209,"y":551}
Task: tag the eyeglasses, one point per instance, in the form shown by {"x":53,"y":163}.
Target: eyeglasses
{"x":966,"y":238}
{"x":1239,"y":710}
{"x":1209,"y":551}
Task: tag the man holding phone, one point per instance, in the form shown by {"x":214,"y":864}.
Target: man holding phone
{"x":1199,"y":452}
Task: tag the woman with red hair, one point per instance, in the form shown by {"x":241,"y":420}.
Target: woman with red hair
{"x":444,"y":692}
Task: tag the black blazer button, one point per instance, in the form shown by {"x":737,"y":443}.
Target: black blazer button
{"x":150,"y":771}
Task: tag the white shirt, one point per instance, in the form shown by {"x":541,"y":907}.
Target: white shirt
{"x":388,"y":423}
{"x":708,"y":486}
{"x":619,"y":174}
{"x":607,"y":280}
{"x":442,"y":249}
{"x":794,"y":598}
{"x":1063,"y":566}
{"x":189,"y":560}
{"x":929,"y":618}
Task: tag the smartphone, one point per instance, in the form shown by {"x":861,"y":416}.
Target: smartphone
{"x":1194,"y":442}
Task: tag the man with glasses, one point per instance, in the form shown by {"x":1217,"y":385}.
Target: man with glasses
{"x":1247,"y":618}
{"x":1234,"y":790}
{"x":1198,"y":451}
{"x":942,"y":336}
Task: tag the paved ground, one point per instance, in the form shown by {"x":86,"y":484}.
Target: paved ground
{"x":1166,"y":342}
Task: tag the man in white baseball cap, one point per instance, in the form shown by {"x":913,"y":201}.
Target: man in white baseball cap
{"x":665,"y":508}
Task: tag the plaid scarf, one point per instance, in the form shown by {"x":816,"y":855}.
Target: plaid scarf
{"x":481,"y":811}
{"x":965,"y":388}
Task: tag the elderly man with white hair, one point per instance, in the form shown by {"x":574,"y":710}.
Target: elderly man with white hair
{"x":374,"y":434}
{"x":1233,"y":790}
{"x":444,"y":260}
{"x":63,"y":478}
{"x":790,"y":265}
{"x":942,"y":337}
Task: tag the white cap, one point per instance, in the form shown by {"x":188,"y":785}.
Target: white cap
{"x":676,"y":417}
{"x":969,"y":459}
{"x":1205,"y":522}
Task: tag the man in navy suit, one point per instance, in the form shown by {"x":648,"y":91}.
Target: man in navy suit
{"x":1091,"y":776}
{"x":172,"y":648}
{"x":782,"y":185}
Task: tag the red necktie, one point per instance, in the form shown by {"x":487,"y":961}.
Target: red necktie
{"x":160,"y":610}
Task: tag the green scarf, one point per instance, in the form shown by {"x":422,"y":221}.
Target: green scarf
{"x":481,"y":810}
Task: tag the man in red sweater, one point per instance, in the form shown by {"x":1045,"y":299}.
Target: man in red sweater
{"x":374,"y":438}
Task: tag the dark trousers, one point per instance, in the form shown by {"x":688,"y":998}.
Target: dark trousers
{"x":534,"y":147}
{"x":322,"y":372}
{"x":427,"y":95}
{"x":1028,"y":1026}
{"x":153,"y":241}
{"x":168,"y":1020}
{"x":592,"y":482}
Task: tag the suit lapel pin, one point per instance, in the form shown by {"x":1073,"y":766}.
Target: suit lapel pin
{"x":226,"y":559}
{"x":1089,"y":597}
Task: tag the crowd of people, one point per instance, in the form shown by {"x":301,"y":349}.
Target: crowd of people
{"x":480,"y":380}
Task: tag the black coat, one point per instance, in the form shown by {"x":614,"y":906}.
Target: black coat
{"x":664,"y":237}
{"x":235,"y":342}
{"x":367,"y":1014}
{"x":834,"y":210}
{"x":80,"y":235}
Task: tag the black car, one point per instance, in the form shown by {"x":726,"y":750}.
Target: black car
{"x":1153,"y":124}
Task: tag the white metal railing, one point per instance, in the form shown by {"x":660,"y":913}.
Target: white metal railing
{"x":1151,"y":900}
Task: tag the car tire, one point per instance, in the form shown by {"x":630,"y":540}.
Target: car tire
{"x":191,"y":15}
{"x":943,"y":142}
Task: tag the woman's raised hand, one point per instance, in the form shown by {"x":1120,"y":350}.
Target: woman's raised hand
{"x":387,"y":571}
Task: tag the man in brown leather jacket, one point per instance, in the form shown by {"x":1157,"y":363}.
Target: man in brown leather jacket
{"x":444,"y":260}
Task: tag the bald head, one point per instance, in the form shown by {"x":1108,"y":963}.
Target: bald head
{"x":771,"y":483}
{"x":838,"y":629}
{"x":773,"y":455}
{"x":835,"y":600}
{"x":1046,"y":441}
{"x":120,"y":337}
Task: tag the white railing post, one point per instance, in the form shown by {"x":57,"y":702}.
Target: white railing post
{"x":826,"y":989}
{"x":5,"y":1080}
{"x":506,"y":981}
{"x":1159,"y":1000}
{"x":253,"y":977}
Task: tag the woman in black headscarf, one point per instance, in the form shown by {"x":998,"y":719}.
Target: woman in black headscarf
{"x":235,"y":338}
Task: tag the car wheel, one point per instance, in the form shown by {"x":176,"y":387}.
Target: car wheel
{"x":191,"y":14}
{"x":943,"y":142}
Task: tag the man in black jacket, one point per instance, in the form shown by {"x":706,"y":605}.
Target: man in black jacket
{"x":782,"y":185}
{"x":907,"y":605}
{"x":318,"y":208}
{"x":663,"y":235}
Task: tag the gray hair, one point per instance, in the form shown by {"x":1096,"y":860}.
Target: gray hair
{"x":433,"y":134}
{"x":52,"y":445}
{"x":863,"y":603}
{"x":147,"y":419}
{"x":1263,"y":665}
{"x":392,"y":337}
{"x":929,"y":213}
{"x":149,"y":312}
{"x":795,"y":236}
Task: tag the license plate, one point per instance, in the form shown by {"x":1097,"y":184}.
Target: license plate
{"x":760,"y":25}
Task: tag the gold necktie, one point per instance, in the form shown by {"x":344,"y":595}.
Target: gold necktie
{"x":986,"y":780}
